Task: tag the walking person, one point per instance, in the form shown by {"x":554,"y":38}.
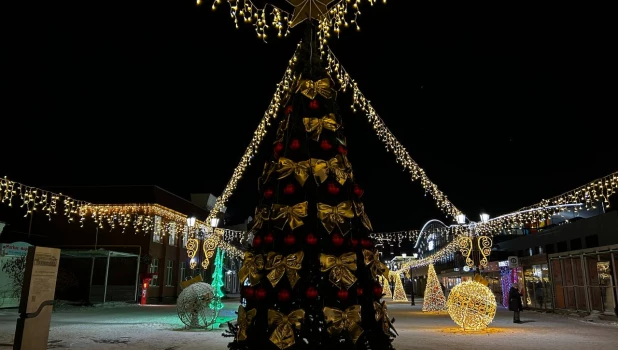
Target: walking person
{"x":515,"y":303}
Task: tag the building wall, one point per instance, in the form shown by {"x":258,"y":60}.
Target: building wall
{"x":596,"y":231}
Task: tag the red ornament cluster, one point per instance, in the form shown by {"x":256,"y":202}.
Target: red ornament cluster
{"x":341,"y":149}
{"x":311,"y":293}
{"x":314,"y":104}
{"x":294,"y":145}
{"x":278,"y":147}
{"x":325,"y":145}
{"x":333,"y":188}
{"x":268,"y":193}
{"x":358,"y":191}
{"x":260,"y":293}
{"x":337,"y":239}
{"x":289,"y":189}
{"x":283,"y":295}
{"x":290,"y":239}
{"x":269,"y":238}
{"x":311,"y":239}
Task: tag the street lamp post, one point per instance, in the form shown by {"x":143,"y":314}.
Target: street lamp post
{"x":190,"y":225}
{"x":461,"y":220}
{"x":404,"y":256}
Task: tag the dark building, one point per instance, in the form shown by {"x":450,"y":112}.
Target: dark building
{"x":144,"y":223}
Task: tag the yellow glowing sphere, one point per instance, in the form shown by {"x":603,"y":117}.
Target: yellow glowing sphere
{"x":471,"y":305}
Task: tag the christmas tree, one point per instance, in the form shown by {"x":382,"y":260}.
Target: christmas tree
{"x":399,"y":294}
{"x":434,"y":299}
{"x":312,"y":268}
{"x":386,"y":287}
{"x":217,"y":280}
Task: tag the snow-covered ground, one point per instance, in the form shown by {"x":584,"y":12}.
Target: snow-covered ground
{"x":158,"y":327}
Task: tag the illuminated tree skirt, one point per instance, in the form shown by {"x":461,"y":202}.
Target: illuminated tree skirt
{"x":471,"y":305}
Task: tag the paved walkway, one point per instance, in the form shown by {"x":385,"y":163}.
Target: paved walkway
{"x":158,"y":327}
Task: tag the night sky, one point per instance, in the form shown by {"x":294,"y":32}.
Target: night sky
{"x":502,"y":106}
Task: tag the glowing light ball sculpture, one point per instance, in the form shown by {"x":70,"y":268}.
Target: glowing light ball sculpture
{"x":195,"y":303}
{"x":471,"y":305}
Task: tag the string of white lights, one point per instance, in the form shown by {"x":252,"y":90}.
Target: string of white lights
{"x":341,"y":14}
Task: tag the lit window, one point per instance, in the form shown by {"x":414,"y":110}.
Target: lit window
{"x":185,"y":237}
{"x":169,"y":274}
{"x":156,"y":233}
{"x":154,"y":269}
{"x":172,"y":234}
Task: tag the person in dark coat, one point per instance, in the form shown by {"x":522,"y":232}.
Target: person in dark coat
{"x":515,"y":303}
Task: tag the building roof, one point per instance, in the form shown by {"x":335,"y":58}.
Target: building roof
{"x":138,"y":194}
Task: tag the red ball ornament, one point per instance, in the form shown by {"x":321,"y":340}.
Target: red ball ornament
{"x":289,"y":109}
{"x":342,"y":294}
{"x":342,"y":150}
{"x":311,"y":239}
{"x":333,"y":188}
{"x":377,"y":291}
{"x":314,"y":104}
{"x":366,"y":243}
{"x":283,"y":295}
{"x":257,"y":240}
{"x":268,"y":193}
{"x":325,"y":145}
{"x":337,"y":239}
{"x":311,"y":293}
{"x":248,"y":292}
{"x":358,"y":191}
{"x":289,"y":189}
{"x":294,"y":145}
{"x":278,"y":147}
{"x":353,"y":242}
{"x":260,"y":293}
{"x":268,"y":239}
{"x":359,"y":291}
{"x":289,"y":239}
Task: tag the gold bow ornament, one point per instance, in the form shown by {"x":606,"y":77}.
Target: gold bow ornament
{"x":284,"y":214}
{"x":251,"y":267}
{"x":311,"y":88}
{"x":244,"y":320}
{"x":283,"y":335}
{"x":322,"y":168}
{"x":377,"y":267}
{"x":288,"y":167}
{"x":348,"y":320}
{"x":334,"y":216}
{"x":316,"y":125}
{"x":340,"y":269}
{"x":382,"y":317}
{"x":283,"y":126}
{"x":359,"y":209}
{"x":269,"y":167}
{"x":278,"y":265}
{"x":261,"y":215}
